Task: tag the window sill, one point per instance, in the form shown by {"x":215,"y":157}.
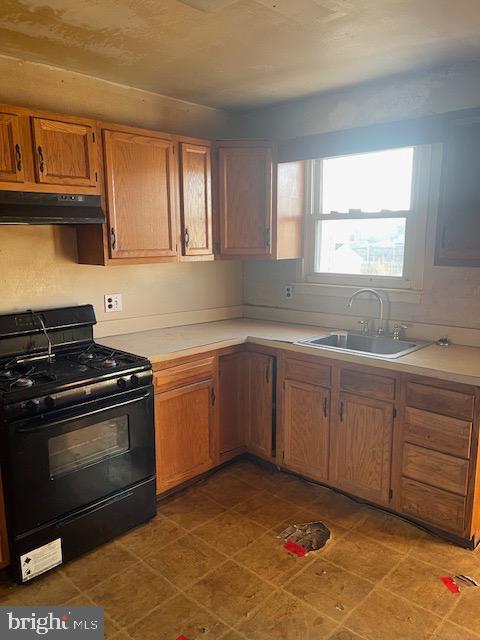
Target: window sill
{"x":411,"y":296}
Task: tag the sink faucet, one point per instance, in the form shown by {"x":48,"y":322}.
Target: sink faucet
{"x":380,"y":329}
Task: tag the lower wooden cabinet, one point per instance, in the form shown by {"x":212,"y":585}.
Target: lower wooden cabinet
{"x":361,"y":451}
{"x":306,"y":429}
{"x":261,"y":416}
{"x":233,"y":399}
{"x":185,"y":428}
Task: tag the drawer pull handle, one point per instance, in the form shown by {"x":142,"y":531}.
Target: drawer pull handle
{"x":42,"y":165}
{"x":18,"y":156}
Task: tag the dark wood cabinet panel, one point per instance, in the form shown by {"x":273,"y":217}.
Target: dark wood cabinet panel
{"x":458,"y":237}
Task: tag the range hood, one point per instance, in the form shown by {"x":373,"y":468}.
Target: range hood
{"x":20,"y":207}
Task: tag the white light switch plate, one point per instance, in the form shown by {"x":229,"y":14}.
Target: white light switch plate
{"x":113,"y":302}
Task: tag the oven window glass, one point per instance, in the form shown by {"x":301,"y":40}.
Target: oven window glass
{"x":89,"y":445}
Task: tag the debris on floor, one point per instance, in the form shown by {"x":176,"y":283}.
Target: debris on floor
{"x":466,"y":580}
{"x":303,"y":538}
{"x":450,"y":583}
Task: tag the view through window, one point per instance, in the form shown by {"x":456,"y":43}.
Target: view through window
{"x":361,"y":207}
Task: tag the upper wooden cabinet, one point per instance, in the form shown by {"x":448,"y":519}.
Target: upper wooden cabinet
{"x":260,"y":203}
{"x":140,"y":192}
{"x":196,"y":201}
{"x":40,"y":151}
{"x":11,"y":160}
{"x":458,"y":237}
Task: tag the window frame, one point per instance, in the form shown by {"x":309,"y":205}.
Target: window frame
{"x":415,"y":228}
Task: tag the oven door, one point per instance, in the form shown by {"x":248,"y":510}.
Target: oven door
{"x":61,"y":463}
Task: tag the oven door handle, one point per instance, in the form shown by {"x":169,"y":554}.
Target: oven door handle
{"x":49,"y":425}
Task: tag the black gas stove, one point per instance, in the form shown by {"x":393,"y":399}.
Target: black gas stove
{"x":76,"y":435}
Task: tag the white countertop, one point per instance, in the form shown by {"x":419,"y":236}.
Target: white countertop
{"x":455,"y":363}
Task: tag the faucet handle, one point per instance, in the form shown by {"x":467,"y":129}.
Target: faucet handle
{"x":398,"y":328}
{"x":364,"y":326}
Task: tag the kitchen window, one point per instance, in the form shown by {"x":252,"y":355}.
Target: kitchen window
{"x":366,"y":222}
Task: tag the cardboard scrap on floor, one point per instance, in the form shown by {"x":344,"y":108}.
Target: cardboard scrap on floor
{"x":303,"y":538}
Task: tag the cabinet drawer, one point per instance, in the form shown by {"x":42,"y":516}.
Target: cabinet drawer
{"x":442,"y":433}
{"x":310,"y":372}
{"x":435,"y":506}
{"x":437,"y":469}
{"x":182,"y":374}
{"x":437,"y":400}
{"x":367,"y":384}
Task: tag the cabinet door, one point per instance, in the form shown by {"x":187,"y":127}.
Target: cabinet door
{"x":261,"y":396}
{"x":140,"y":182}
{"x":65,"y":153}
{"x":11,"y":152}
{"x":306,"y":429}
{"x":233,"y":403}
{"x":196,"y":199}
{"x":458,"y":237}
{"x":183,"y":433}
{"x":245,"y":200}
{"x":362,"y":447}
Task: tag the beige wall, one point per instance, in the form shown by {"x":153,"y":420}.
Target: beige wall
{"x":38,"y":265}
{"x":451,"y":295}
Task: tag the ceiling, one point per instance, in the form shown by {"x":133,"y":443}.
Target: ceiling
{"x":241,"y":54}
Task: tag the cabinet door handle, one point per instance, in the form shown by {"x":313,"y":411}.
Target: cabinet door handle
{"x":18,"y":157}
{"x":267,"y":374}
{"x":267,"y":237}
{"x":114,"y":238}
{"x":341,"y":411}
{"x":212,"y":396}
{"x":187,"y":237}
{"x":42,"y":165}
{"x":325,"y":408}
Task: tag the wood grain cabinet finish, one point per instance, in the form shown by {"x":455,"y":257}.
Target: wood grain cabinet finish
{"x":185,"y":421}
{"x":141,"y":202}
{"x":233,"y":398}
{"x":306,"y":429}
{"x":260,"y":404}
{"x":362,"y":447}
{"x":49,"y":152}
{"x":458,"y":240}
{"x":11,"y":149}
{"x":261,"y":203}
{"x":65,"y":152}
{"x":245,"y":175}
{"x":196,"y":200}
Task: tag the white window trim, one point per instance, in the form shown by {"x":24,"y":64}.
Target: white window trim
{"x":410,"y":286}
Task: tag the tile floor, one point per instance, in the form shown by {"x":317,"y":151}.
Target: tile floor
{"x":210,"y":567}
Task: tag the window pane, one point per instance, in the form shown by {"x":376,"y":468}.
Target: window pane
{"x":368,"y":247}
{"x":368,"y":182}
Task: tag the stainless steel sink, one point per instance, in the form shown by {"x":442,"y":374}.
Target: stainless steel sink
{"x":380,"y":346}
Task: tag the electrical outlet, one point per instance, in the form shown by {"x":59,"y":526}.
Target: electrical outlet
{"x":113,"y":302}
{"x":289,"y":291}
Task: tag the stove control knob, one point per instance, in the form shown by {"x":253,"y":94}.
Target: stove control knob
{"x":50,"y":402}
{"x":33,"y":406}
{"x":122,"y":383}
{"x":135,"y":380}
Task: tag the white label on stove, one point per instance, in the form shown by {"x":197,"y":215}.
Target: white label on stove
{"x":41,"y":559}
